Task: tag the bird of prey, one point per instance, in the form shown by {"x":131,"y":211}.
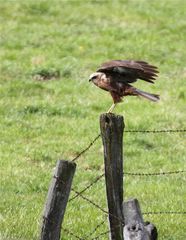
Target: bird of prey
{"x":116,"y":76}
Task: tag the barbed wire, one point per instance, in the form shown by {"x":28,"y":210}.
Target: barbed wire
{"x":106,"y":212}
{"x":79,"y":193}
{"x":129,"y":174}
{"x":88,"y":200}
{"x":100,"y":235}
{"x":95,"y":229}
{"x":87,"y":148}
{"x":97,"y":206}
{"x":108,"y":231}
{"x":72,"y":234}
{"x":165,"y":213}
{"x":127,"y":131}
{"x":156,"y":131}
{"x":144,"y":213}
{"x":87,"y":187}
{"x":155,"y":173}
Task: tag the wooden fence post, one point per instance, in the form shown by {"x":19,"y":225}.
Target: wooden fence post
{"x":135,"y":228}
{"x":112,"y":136}
{"x":57,"y":199}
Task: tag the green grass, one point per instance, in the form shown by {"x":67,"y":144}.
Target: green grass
{"x":42,"y":121}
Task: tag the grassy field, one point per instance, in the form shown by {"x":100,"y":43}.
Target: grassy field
{"x":42,"y":121}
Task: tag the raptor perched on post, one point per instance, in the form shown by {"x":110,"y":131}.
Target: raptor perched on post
{"x":116,"y":77}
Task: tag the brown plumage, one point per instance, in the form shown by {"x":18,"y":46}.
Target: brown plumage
{"x":116,"y":77}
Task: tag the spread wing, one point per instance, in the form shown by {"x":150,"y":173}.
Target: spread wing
{"x":129,"y":71}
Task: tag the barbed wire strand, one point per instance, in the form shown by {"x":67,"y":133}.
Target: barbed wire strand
{"x":128,"y":131}
{"x":97,"y":206}
{"x":156,"y":131}
{"x":106,"y":232}
{"x":95,"y":229}
{"x":129,"y":174}
{"x":164,"y":213}
{"x":72,"y":234}
{"x":100,"y":235}
{"x":86,"y":149}
{"x":121,"y":221}
{"x":90,"y":201}
{"x":87,"y":187}
{"x":155,"y":173}
{"x":145,"y":213}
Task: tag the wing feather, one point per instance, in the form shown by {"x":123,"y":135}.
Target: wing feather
{"x":129,"y":70}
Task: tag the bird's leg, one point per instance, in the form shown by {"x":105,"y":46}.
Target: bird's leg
{"x":111,"y":108}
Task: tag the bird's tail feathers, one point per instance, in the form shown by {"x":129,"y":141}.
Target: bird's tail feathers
{"x":149,"y":96}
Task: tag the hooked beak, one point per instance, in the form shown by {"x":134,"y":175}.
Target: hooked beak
{"x":90,"y":80}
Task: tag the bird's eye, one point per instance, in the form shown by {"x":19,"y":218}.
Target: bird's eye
{"x":94,"y":77}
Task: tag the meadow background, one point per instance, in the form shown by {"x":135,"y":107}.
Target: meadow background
{"x":42,"y":121}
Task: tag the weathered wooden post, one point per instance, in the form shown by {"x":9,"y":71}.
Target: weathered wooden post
{"x":135,"y":228}
{"x":112,"y":127}
{"x":57,"y":199}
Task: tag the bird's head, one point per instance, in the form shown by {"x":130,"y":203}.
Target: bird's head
{"x":96,"y":77}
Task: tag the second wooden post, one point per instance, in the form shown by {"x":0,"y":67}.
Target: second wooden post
{"x":112,"y":127}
